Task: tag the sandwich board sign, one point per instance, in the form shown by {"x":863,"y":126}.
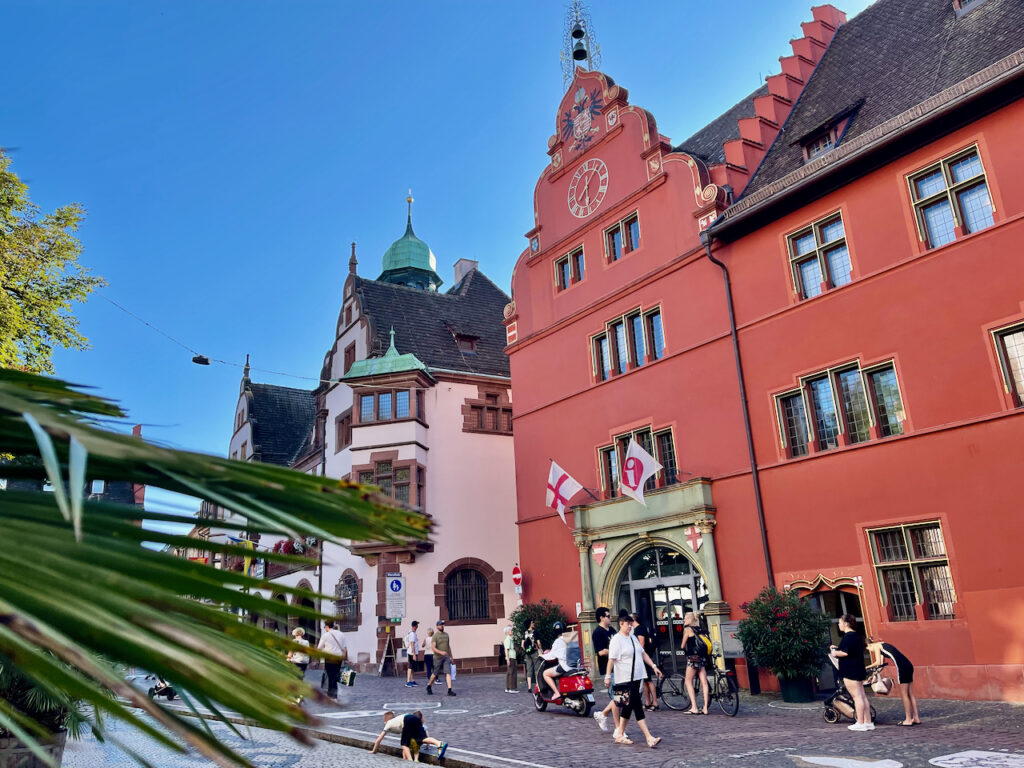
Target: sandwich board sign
{"x":395,"y":600}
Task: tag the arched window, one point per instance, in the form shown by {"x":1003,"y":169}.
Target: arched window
{"x":346,"y":602}
{"x":465,"y":594}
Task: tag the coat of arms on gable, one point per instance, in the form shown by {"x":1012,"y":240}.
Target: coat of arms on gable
{"x":578,"y":122}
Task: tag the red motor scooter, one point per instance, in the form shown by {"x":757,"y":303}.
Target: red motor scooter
{"x":575,"y":692}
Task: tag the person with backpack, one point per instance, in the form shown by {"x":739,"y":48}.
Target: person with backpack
{"x":531,"y":654}
{"x":697,"y":648}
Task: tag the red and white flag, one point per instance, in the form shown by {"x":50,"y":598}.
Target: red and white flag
{"x":561,"y":488}
{"x":636,"y":469}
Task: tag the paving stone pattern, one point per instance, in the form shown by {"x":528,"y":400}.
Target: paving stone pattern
{"x":492,"y":729}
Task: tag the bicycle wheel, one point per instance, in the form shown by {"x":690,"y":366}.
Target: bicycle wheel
{"x":728,"y":695}
{"x":672,"y":691}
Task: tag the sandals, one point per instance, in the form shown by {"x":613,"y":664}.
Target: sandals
{"x":623,"y":739}
{"x":652,"y":743}
{"x":907,"y":725}
{"x":692,"y":712}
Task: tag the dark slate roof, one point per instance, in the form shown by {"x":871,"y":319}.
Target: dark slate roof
{"x":425,"y":322}
{"x":889,"y":58}
{"x":282,"y":421}
{"x":708,"y":144}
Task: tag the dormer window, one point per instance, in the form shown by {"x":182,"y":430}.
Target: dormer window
{"x":962,"y":7}
{"x":466,"y":343}
{"x":822,"y":143}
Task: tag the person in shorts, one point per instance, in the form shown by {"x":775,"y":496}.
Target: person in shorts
{"x":602,"y":637}
{"x":442,"y":658}
{"x":403,"y":727}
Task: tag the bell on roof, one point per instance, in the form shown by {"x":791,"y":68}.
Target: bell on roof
{"x":577,"y":31}
{"x":579,"y":51}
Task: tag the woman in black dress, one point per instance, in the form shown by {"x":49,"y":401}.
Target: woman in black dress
{"x":904,"y":677}
{"x":850,"y":656}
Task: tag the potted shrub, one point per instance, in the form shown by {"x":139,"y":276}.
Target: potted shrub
{"x":56,"y":714}
{"x":785,"y":634}
{"x":544,"y":613}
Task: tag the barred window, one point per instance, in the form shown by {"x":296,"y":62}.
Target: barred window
{"x":346,"y":602}
{"x":913,"y":569}
{"x":465,"y":595}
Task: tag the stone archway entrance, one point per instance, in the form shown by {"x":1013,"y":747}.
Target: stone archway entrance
{"x":662,"y":585}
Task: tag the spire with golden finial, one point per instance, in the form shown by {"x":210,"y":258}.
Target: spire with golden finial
{"x":408,"y":225}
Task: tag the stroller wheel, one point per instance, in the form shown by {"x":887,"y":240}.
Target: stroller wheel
{"x":831,"y":715}
{"x":872,"y":714}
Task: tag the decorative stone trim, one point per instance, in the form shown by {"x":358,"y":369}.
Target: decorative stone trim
{"x":489,"y":398}
{"x":495,"y":600}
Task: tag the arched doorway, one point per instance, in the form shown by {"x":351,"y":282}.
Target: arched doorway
{"x":662,"y":585}
{"x":308,"y":624}
{"x":834,"y":599}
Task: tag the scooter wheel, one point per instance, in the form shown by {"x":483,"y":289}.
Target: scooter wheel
{"x":586,"y":712}
{"x":831,"y":715}
{"x":539,"y":703}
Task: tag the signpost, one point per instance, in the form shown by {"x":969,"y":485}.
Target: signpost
{"x":395,"y":601}
{"x":517,"y":580}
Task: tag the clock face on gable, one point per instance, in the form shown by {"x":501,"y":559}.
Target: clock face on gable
{"x":587,"y":188}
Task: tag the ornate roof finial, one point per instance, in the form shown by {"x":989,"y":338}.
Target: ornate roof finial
{"x":245,"y":370}
{"x":352,"y":262}
{"x":392,"y":351}
{"x":579,"y":45}
{"x":408,"y":226}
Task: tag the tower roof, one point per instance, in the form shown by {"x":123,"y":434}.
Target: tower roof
{"x":409,"y":261}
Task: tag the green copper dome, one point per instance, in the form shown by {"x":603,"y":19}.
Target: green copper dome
{"x":409,"y":261}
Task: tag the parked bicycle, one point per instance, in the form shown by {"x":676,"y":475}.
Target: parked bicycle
{"x":723,"y":689}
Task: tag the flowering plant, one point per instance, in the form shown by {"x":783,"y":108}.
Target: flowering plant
{"x":785,"y":634}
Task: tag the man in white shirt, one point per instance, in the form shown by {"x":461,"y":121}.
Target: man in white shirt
{"x":333,"y":642}
{"x":412,"y":649}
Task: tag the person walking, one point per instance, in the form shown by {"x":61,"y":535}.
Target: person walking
{"x":428,"y":652}
{"x":696,"y":663}
{"x":443,"y":655}
{"x":298,"y":658}
{"x":333,"y":642}
{"x":643,"y":634}
{"x":412,"y":651}
{"x":602,"y":638}
{"x":531,"y":654}
{"x":628,"y":659}
{"x":511,"y":663}
{"x":904,"y":677}
{"x":850,"y":655}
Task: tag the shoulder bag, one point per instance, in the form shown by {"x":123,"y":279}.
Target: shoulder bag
{"x":620,"y":691}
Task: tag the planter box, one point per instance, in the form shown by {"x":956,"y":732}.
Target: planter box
{"x":14,"y":754}
{"x":798,"y":690}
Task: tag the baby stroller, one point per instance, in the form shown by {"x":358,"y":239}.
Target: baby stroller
{"x":840,"y":704}
{"x":162,"y":688}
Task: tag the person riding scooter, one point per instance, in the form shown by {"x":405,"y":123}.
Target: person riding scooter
{"x":555,"y":661}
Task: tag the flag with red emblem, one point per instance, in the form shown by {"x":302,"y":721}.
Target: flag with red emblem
{"x":561,"y":487}
{"x":636,"y":470}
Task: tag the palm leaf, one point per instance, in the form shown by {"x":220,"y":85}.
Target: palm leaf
{"x":73,"y":606}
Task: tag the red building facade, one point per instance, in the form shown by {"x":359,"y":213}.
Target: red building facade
{"x":812,"y":313}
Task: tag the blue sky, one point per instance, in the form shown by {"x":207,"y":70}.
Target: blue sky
{"x":228,"y":152}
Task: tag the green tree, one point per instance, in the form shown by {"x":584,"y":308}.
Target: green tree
{"x":40,"y":277}
{"x":782,"y":632}
{"x":80,"y":595}
{"x":545,"y":613}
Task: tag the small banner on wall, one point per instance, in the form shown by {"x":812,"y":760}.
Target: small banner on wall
{"x":561,"y":488}
{"x":637,"y":470}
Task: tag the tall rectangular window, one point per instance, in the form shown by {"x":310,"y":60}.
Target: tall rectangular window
{"x":618,"y":332}
{"x":826,"y":426}
{"x":569,"y":269}
{"x":609,"y":471}
{"x":343,"y":431}
{"x":655,"y":336}
{"x":602,"y":358}
{"x":384,"y":406}
{"x":636,"y":339}
{"x":667,"y":457}
{"x":563,"y":273}
{"x":951,"y":193}
{"x":614,"y":238}
{"x":577,"y":265}
{"x":912,"y":569}
{"x":855,"y":405}
{"x":794,"y":421}
{"x":1010,"y":349}
{"x":819,"y":257}
{"x":632,"y":227}
{"x":366,"y":408}
{"x":402,"y":404}
{"x":350,"y":356}
{"x":885,"y":391}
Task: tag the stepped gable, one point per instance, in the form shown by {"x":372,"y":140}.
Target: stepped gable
{"x":889,"y":58}
{"x":282,"y":420}
{"x":708,"y":144}
{"x":427,"y":322}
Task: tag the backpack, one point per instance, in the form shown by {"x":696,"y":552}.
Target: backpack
{"x":703,"y":643}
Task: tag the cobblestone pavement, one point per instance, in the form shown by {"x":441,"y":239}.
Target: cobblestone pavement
{"x":490,"y":728}
{"x":267,"y":749}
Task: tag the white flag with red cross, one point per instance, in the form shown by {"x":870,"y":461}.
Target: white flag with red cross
{"x":636,"y":470}
{"x":561,"y":488}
